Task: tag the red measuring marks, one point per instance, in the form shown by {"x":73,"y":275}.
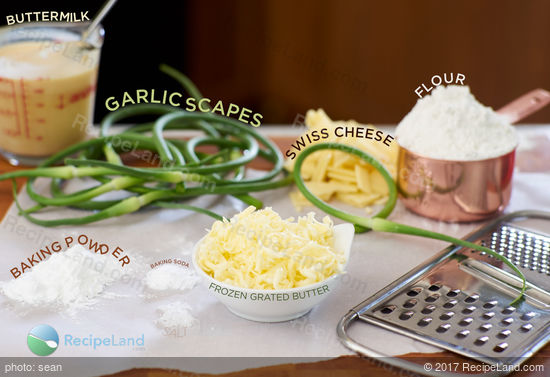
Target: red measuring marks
{"x":25,"y":110}
{"x":7,"y":94}
{"x":27,"y":105}
{"x":61,"y":104}
{"x":22,"y":99}
{"x":10,"y":93}
{"x":75,"y":97}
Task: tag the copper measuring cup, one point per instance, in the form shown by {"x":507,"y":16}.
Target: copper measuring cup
{"x":462,"y":191}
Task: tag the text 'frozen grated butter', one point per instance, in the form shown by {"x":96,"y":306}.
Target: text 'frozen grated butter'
{"x":450,"y":124}
{"x":260,"y":250}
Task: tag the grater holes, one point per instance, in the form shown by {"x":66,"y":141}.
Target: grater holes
{"x":500,"y":347}
{"x":532,"y":252}
{"x":446,"y":316}
{"x":453,"y":293}
{"x":485,"y":327}
{"x":450,"y":304}
{"x":406,"y":315}
{"x":425,"y":321}
{"x":410,"y":303}
{"x":504,"y":334}
{"x":428,"y":309}
{"x":528,"y":316}
{"x":526,"y":328}
{"x":508,"y":310}
{"x":414,"y":292}
{"x":388,"y":309}
{"x":432,"y":297}
{"x":462,"y":334}
{"x":481,"y":340}
{"x":444,"y":321}
{"x":507,"y":321}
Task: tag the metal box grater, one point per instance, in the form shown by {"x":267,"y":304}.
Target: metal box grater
{"x":459,"y":299}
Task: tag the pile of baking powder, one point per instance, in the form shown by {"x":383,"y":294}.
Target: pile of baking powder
{"x":451,"y":124}
{"x":66,"y":281}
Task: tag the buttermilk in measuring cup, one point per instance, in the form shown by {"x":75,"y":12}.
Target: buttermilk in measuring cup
{"x":46,"y":97}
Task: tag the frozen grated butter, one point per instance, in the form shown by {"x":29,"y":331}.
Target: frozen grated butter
{"x":450,"y":124}
{"x":260,"y":250}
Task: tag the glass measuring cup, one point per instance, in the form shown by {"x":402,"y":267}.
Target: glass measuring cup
{"x":47,"y":88}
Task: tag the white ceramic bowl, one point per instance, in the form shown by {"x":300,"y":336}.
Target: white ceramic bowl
{"x":276,"y":305}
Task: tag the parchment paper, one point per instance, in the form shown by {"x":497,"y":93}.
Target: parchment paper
{"x":153,"y":235}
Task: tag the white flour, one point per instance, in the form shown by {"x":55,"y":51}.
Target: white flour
{"x":450,"y":124}
{"x":170,"y":277}
{"x":175,"y":314}
{"x":68,"y":280}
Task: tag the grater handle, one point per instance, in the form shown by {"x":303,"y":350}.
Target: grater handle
{"x":395,"y":362}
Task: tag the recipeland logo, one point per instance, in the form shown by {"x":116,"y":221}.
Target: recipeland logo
{"x":43,"y":340}
{"x":94,"y":342}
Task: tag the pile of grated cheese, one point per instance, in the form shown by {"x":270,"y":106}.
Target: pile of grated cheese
{"x":260,"y":250}
{"x":333,"y":174}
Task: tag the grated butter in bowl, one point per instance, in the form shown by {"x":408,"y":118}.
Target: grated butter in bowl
{"x":267,"y":269}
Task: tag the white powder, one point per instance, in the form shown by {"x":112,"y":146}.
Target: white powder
{"x":67,"y":280}
{"x":451,"y":124}
{"x":175,"y":314}
{"x":170,"y":277}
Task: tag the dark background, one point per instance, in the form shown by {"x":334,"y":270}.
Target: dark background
{"x":357,"y":59}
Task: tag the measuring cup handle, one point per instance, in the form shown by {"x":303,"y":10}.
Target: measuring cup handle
{"x":525,"y":105}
